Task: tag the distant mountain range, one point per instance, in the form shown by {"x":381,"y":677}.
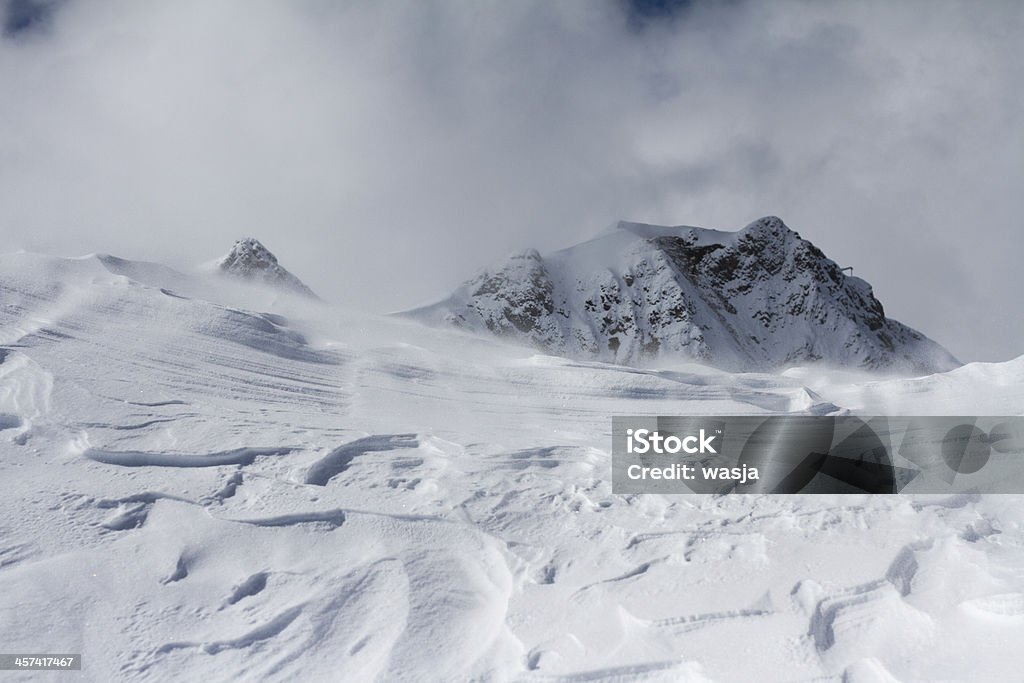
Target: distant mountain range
{"x":760,"y":298}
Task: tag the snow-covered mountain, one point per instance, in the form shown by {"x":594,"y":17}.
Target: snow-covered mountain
{"x":250,"y":260}
{"x":209,"y":479}
{"x":760,"y":298}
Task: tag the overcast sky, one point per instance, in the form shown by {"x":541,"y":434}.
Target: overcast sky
{"x":386,"y":150}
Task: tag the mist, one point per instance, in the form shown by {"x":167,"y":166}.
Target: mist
{"x":385,"y":151}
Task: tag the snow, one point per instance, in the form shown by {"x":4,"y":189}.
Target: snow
{"x":211,"y":479}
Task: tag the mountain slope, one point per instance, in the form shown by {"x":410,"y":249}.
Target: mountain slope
{"x":757,"y":299}
{"x":209,"y":480}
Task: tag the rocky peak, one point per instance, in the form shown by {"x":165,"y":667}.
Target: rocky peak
{"x":250,"y":260}
{"x":760,"y":298}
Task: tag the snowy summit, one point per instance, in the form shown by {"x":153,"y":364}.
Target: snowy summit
{"x":761,"y":298}
{"x":251,"y":260}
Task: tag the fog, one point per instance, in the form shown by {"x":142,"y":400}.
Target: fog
{"x":386,"y":150}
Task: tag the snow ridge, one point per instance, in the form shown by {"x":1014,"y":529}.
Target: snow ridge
{"x":761,"y":298}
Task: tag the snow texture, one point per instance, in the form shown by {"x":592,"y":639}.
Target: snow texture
{"x":213,"y":480}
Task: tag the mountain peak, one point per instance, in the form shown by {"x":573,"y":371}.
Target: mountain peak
{"x":759,"y":298}
{"x":250,"y":260}
{"x":768,"y":225}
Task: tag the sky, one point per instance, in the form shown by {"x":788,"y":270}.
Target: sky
{"x":387,"y":150}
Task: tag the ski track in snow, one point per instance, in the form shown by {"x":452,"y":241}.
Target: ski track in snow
{"x":198,"y":490}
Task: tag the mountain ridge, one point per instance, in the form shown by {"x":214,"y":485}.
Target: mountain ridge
{"x":760,"y":298}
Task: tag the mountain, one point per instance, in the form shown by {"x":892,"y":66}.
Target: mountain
{"x":205,"y":480}
{"x":761,"y":298}
{"x":250,"y":260}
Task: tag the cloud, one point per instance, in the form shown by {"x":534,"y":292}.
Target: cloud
{"x":386,"y":150}
{"x":21,"y":17}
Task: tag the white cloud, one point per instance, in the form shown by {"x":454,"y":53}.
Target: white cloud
{"x":386,"y":150}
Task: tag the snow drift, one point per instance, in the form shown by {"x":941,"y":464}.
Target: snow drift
{"x":211,"y":479}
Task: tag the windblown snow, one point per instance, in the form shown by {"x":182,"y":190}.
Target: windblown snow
{"x":211,"y":479}
{"x":762,"y":298}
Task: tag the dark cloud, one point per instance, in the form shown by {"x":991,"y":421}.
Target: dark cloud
{"x":386,"y":150}
{"x":641,"y":15}
{"x":21,"y":17}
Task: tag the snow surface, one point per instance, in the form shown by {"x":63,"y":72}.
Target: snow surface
{"x":212,"y":480}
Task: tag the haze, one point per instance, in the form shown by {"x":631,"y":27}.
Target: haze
{"x":385,"y":151}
